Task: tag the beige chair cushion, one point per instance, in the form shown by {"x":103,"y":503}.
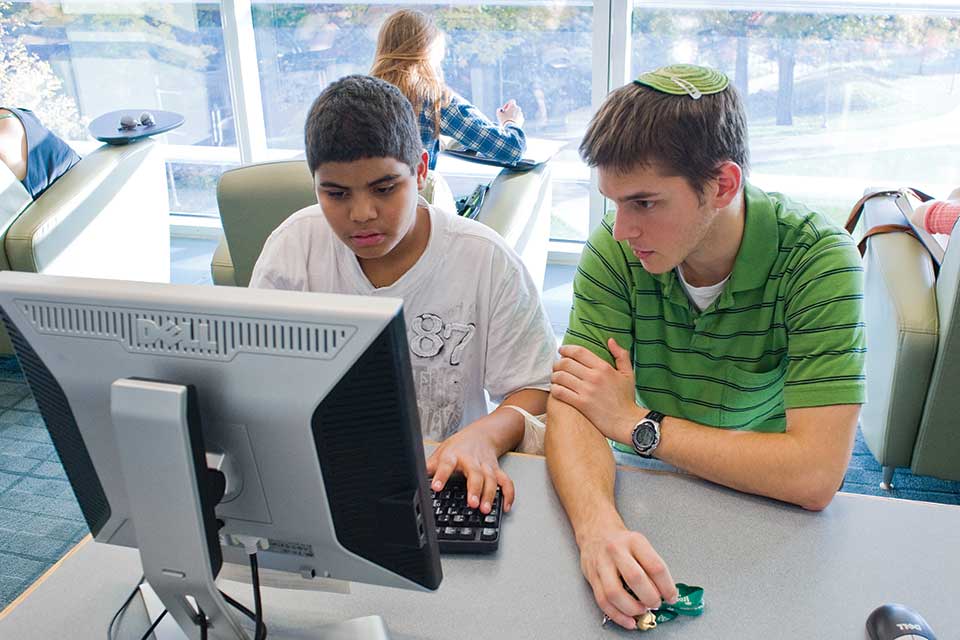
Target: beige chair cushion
{"x":518,"y":207}
{"x":901,"y":319}
{"x":107,"y":217}
{"x":253,"y":200}
{"x":14,"y":198}
{"x":937,"y":450}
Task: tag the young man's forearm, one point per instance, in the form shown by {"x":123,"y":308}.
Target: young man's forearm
{"x":804,"y":465}
{"x":582,"y":469}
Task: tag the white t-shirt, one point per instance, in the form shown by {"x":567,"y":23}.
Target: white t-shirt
{"x":703,"y":297}
{"x":474,"y":317}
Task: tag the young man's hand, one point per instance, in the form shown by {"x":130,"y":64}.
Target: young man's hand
{"x":614,"y":552}
{"x":604,"y":395}
{"x":473,"y":452}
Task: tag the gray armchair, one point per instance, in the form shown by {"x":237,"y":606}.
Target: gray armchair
{"x":255,"y":199}
{"x":107,"y":217}
{"x":913,"y":350}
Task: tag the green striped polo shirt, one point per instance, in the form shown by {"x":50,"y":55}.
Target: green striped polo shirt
{"x":787,"y":330}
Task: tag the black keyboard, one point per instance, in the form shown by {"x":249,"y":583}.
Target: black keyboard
{"x":461,"y":529}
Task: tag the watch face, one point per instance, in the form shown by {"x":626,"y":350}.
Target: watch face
{"x":645,"y":435}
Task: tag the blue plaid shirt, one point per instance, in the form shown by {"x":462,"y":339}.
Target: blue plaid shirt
{"x":466,"y":124}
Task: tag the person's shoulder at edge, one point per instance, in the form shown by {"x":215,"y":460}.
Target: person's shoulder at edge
{"x":303,"y":229}
{"x":287,"y":248}
{"x":309,"y":220}
{"x":799,"y":226}
{"x":11,"y":138}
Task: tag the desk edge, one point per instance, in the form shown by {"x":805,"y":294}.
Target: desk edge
{"x":46,"y":574}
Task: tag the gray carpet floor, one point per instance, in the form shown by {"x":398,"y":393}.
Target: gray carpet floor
{"x":40,"y":519}
{"x":39,"y":516}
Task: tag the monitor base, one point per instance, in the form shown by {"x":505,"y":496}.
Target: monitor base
{"x":365,"y":628}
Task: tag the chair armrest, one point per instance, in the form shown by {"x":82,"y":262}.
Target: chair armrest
{"x":937,"y":450}
{"x":517,"y":206}
{"x":253,"y":200}
{"x":902,"y":327}
{"x":107,"y":217}
{"x":221,"y":266}
{"x":14,"y":198}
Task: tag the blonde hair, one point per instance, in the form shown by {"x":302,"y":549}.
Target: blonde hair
{"x":403,"y":60}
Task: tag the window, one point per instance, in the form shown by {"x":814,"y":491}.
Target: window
{"x":536,"y":54}
{"x":839,"y":97}
{"x":73,"y":61}
{"x":838,"y":100}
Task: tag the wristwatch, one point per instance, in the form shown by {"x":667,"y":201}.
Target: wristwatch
{"x":646,"y":435}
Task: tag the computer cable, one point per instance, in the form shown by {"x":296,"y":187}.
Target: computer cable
{"x":261,"y":630}
{"x":239,"y":607}
{"x":261,"y":633}
{"x":123,"y":608}
{"x":154,"y":625}
{"x":257,"y":618}
{"x":203,"y":622}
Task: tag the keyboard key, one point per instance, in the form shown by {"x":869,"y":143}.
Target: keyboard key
{"x":461,"y":528}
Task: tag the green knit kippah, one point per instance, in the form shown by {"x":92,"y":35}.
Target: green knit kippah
{"x":685,"y":79}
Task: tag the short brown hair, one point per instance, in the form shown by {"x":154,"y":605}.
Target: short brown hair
{"x":360,"y":117}
{"x":638,"y":125}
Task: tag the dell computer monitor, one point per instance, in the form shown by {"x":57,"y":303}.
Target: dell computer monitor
{"x":304,"y":401}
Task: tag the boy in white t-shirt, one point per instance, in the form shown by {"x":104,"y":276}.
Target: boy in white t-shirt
{"x":474,"y":318}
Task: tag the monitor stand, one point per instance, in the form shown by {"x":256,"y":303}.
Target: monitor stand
{"x":160,"y":445}
{"x":365,"y":628}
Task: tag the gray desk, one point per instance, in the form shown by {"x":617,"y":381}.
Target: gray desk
{"x":769,"y":570}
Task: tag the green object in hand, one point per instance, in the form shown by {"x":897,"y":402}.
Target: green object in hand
{"x":689,"y":603}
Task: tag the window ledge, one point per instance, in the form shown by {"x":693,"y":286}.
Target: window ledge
{"x":194,"y":226}
{"x":564,"y":252}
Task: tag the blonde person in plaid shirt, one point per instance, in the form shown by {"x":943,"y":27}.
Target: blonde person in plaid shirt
{"x":410,"y":49}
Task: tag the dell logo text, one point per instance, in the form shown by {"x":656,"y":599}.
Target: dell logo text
{"x":171,"y":334}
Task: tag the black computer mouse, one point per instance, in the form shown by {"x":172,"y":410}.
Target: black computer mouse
{"x":897,"y":622}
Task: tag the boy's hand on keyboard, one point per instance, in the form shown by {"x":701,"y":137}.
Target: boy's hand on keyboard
{"x":472,"y":452}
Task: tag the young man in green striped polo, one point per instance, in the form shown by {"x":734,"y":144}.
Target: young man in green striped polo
{"x":715,"y":327}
